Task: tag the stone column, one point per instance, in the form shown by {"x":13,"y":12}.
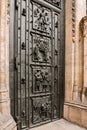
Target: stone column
{"x":6,"y":121}
{"x":4,"y":58}
{"x":84,"y":93}
{"x":77,"y":88}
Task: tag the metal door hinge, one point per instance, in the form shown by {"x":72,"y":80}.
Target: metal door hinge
{"x":24,"y":12}
{"x":16,"y":4}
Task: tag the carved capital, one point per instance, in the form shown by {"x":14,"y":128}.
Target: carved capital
{"x":83,"y":26}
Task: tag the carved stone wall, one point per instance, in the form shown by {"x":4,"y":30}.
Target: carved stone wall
{"x":4,"y":57}
{"x":5,"y":118}
{"x":75,"y":108}
{"x":77,"y":86}
{"x":83,"y":53}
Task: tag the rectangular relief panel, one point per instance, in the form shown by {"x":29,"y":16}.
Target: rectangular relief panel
{"x":41,"y":109}
{"x":41,"y":18}
{"x":42,"y":78}
{"x":41,"y":48}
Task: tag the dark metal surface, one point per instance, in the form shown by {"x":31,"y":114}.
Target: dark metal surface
{"x":56,"y":3}
{"x":37,"y":63}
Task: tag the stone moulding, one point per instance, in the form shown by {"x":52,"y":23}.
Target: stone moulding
{"x":83,"y":42}
{"x":75,"y":114}
{"x":7,"y":122}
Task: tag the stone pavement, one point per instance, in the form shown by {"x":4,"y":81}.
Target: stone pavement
{"x":59,"y":125}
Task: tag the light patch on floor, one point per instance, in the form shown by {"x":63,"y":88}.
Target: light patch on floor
{"x":59,"y":125}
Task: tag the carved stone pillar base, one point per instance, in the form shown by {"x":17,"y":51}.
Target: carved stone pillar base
{"x":77,"y":92}
{"x":84,"y":95}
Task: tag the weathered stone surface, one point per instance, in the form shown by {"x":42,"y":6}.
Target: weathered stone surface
{"x":59,"y":125}
{"x":7,"y":122}
{"x":75,"y":62}
{"x":76,"y":114}
{"x":4,"y":57}
{"x":84,"y":118}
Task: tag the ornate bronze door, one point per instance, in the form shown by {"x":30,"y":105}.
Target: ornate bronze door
{"x":37,"y":62}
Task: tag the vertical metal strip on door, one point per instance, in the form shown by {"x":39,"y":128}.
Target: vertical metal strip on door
{"x":22,"y":63}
